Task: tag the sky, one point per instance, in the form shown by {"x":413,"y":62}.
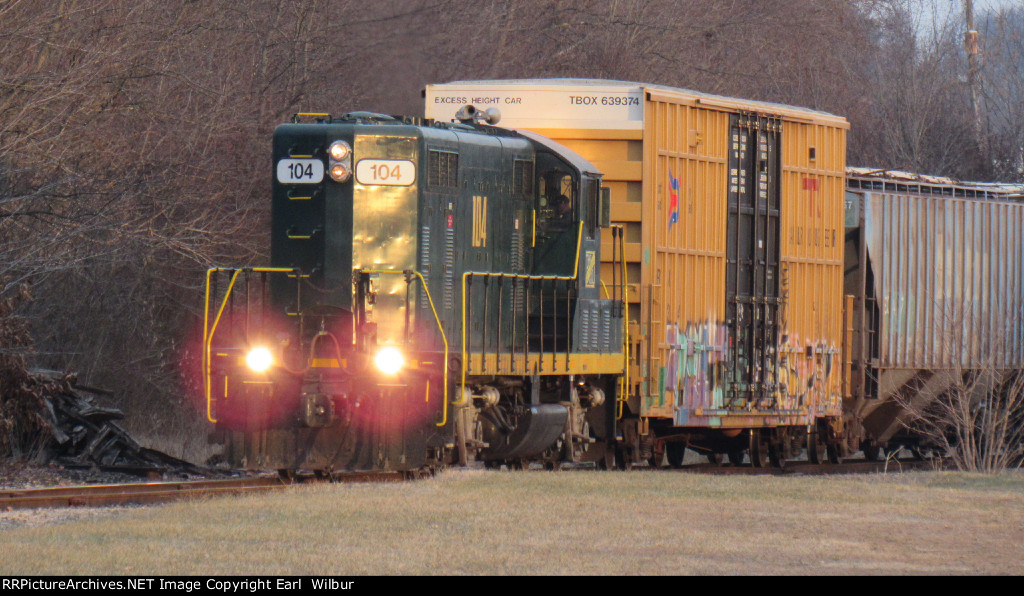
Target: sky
{"x":935,"y":14}
{"x":943,"y":8}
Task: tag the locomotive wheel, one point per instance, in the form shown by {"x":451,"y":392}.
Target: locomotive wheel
{"x":419,"y":474}
{"x":620,"y":458}
{"x":675,"y":452}
{"x":610,"y":454}
{"x":607,"y":461}
{"x":758,"y":450}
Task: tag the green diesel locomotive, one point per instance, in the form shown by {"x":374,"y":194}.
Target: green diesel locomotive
{"x":433,"y":298}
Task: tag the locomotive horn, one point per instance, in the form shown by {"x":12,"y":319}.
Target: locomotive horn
{"x":491,"y":116}
{"x":466,"y":114}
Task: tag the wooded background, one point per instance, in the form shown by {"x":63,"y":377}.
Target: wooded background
{"x":135,"y":134}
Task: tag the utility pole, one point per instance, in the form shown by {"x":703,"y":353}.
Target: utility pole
{"x":971,"y":47}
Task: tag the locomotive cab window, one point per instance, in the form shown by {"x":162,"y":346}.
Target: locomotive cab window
{"x":556,"y":202}
{"x":557,"y":216}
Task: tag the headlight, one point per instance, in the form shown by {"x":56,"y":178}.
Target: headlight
{"x":340,"y":154}
{"x":389,"y":360}
{"x":259,"y":359}
{"x":340,"y":172}
{"x":339,"y":150}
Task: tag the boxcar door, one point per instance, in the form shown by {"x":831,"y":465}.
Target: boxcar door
{"x":752,"y":257}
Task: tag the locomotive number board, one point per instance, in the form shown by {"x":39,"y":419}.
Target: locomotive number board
{"x":386,"y":172}
{"x":300,"y":171}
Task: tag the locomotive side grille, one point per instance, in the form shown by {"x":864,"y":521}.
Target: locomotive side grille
{"x":606,"y":328}
{"x":517,"y":251}
{"x":425,"y":264}
{"x":517,"y":267}
{"x":449,"y":268}
{"x":443,"y":169}
{"x":522,"y":177}
{"x":585,"y":326}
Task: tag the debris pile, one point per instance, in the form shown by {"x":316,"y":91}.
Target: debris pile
{"x":45,"y":417}
{"x":84,"y":433}
{"x":75,"y":431}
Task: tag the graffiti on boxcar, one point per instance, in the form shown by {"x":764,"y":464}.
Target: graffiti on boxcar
{"x":695,"y":367}
{"x":806,"y":375}
{"x":695,"y":373}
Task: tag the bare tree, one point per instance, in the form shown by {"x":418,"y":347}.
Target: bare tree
{"x":1003,"y":92}
{"x":978,"y":423}
{"x":973,"y":414}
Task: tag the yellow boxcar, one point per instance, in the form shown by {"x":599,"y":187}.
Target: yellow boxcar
{"x":732,"y":213}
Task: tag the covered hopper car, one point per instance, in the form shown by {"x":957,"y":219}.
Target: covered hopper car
{"x":446,"y":291}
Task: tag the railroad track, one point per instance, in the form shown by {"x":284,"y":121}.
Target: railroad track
{"x":105,"y":495}
{"x":161,"y":492}
{"x":854,"y":466}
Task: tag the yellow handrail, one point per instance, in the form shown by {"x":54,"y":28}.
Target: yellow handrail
{"x":209,"y":331}
{"x":575,"y":275}
{"x":440,"y":328}
{"x":625,"y":321}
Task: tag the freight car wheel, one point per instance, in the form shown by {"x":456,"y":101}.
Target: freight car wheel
{"x":922,"y":454}
{"x":777,"y":455}
{"x":736,"y":456}
{"x":758,"y":450}
{"x":872,"y":450}
{"x":833,"y":454}
{"x":714,"y":459}
{"x":816,"y":449}
{"x":675,"y":453}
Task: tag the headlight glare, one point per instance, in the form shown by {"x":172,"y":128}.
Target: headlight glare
{"x":389,"y":360}
{"x":259,"y":359}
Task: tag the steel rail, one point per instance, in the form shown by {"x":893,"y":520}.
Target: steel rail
{"x":803,"y":468}
{"x":145,"y":493}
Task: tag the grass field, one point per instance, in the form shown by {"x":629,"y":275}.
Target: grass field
{"x":475,"y":522}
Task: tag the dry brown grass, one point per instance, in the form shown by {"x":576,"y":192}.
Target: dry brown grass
{"x":473,"y":522}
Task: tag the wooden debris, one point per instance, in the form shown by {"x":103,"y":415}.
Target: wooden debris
{"x":79,"y":432}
